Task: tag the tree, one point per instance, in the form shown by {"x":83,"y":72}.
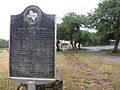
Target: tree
{"x":82,"y":37}
{"x":106,"y":19}
{"x":77,"y":37}
{"x":73,"y":22}
{"x":3,"y":43}
{"x":61,"y":34}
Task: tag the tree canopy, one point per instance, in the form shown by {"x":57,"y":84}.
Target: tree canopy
{"x":3,"y":43}
{"x":106,"y":19}
{"x":69,"y":29}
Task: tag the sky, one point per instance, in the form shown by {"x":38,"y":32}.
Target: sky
{"x":58,"y":7}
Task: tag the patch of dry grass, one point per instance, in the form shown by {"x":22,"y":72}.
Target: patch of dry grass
{"x":83,"y":71}
{"x":3,"y":64}
{"x":5,"y":83}
{"x":8,"y":85}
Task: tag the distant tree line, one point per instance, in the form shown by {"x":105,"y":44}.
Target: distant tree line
{"x":3,"y":43}
{"x":105,"y":20}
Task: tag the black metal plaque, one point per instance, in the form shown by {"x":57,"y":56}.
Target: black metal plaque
{"x":32,"y":44}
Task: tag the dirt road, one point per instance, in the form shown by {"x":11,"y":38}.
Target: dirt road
{"x":107,"y":57}
{"x":99,"y":48}
{"x":97,"y":52}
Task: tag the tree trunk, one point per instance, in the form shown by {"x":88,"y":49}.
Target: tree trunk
{"x":58,"y":48}
{"x":116,"y":46}
{"x":79,"y":46}
{"x":71,"y":42}
{"x":75,"y":46}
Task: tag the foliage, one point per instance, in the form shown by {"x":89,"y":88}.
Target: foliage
{"x":62,"y":33}
{"x":69,"y":29}
{"x":106,"y":19}
{"x":73,"y":22}
{"x":82,"y":37}
{"x":3,"y":43}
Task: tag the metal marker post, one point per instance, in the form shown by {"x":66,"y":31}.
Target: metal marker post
{"x":31,"y":86}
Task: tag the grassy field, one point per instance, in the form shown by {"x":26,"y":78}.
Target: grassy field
{"x":5,"y":83}
{"x":3,"y":64}
{"x":81,"y":71}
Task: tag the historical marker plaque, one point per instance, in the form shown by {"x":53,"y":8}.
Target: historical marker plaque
{"x":32,"y":44}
